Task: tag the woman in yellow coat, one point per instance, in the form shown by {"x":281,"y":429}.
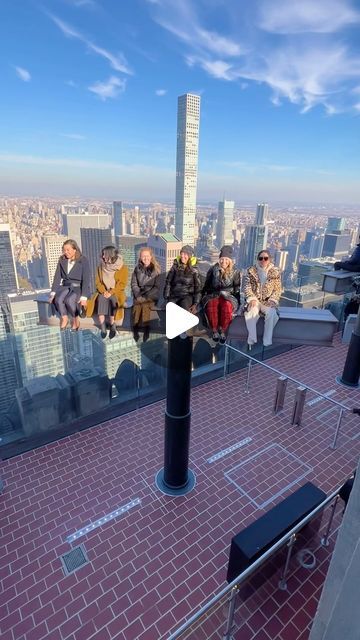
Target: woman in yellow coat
{"x":109,"y":298}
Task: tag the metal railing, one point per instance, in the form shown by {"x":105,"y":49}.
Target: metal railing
{"x":232,"y":588}
{"x":342,"y":407}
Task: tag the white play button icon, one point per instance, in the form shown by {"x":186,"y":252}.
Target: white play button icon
{"x":178,"y":320}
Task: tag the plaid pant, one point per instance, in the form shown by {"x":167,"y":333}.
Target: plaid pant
{"x":219,"y":313}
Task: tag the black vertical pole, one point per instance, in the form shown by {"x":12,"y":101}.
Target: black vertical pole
{"x":175,"y":478}
{"x":351,"y":374}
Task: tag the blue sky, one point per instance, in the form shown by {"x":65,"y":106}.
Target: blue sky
{"x":90,"y":87}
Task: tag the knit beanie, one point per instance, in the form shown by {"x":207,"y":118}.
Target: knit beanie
{"x":187,"y":249}
{"x":226,"y":252}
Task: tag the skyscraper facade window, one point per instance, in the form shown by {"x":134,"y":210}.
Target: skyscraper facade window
{"x":224,"y":227}
{"x":188,"y":121}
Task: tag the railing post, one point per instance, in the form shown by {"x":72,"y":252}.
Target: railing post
{"x":226,"y":360}
{"x":230,"y":620}
{"x":298,"y":405}
{"x":333,"y":446}
{"x":325,"y":538}
{"x":282,"y":582}
{"x":280,"y":394}
{"x":247,"y":384}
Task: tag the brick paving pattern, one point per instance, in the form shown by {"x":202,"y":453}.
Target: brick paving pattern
{"x":159,"y":562}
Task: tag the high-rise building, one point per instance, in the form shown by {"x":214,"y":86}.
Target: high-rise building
{"x":166,"y":247}
{"x":9,"y":379}
{"x":51,"y":248}
{"x":336,"y":245}
{"x":129,"y":247}
{"x":262,"y":211}
{"x":293,"y":256}
{"x":316,"y":247}
{"x":256,"y":240}
{"x":92,"y":242}
{"x":281,"y":259}
{"x":74,"y":222}
{"x":119,"y":222}
{"x":8,"y":276}
{"x":188,"y":121}
{"x":224,"y":227}
{"x":38,"y":349}
{"x":335,"y":224}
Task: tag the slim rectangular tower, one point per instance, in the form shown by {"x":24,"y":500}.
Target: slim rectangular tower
{"x":188,"y":121}
{"x":224,"y":228}
{"x":8,"y":275}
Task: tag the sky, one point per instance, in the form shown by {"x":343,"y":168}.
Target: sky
{"x":90,"y":87}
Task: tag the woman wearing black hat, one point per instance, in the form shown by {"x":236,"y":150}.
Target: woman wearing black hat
{"x":221,"y":294}
{"x":182,"y":285}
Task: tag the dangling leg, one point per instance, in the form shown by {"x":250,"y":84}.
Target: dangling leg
{"x":112,"y":309}
{"x":212,"y":315}
{"x":271,"y":318}
{"x":251,"y":318}
{"x":59,"y":302}
{"x":225,"y":317}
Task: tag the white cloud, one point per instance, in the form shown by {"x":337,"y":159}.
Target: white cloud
{"x":300,"y":16}
{"x":109,"y":89}
{"x":71,"y":83}
{"x":298,"y":48}
{"x":161,"y":92}
{"x":73,"y":136}
{"x":117,"y":62}
{"x":23,"y":74}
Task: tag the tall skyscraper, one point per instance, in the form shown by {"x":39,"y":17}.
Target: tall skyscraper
{"x":74,"y":222}
{"x":188,"y":121}
{"x":51,"y":248}
{"x":92,"y":242}
{"x":38,"y":348}
{"x":166,"y":247}
{"x":8,"y":277}
{"x":224,"y":227}
{"x":336,"y":245}
{"x":316,"y":247}
{"x":9,"y":380}
{"x":335,"y":224}
{"x":281,"y":259}
{"x":256,"y":240}
{"x":119,"y":221}
{"x":129,"y":247}
{"x":261,"y":215}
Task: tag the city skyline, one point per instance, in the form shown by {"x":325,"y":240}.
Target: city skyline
{"x":90,"y":113}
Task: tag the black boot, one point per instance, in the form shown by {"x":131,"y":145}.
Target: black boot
{"x":136,"y":333}
{"x":112,"y":332}
{"x":146,"y":334}
{"x":103,"y":331}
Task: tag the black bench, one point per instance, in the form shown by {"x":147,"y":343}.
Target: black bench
{"x":248,"y":545}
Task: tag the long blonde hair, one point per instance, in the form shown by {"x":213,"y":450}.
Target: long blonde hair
{"x":229,"y":269}
{"x":153,"y":262}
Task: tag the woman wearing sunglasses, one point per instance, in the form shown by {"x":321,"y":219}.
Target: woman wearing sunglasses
{"x":262,"y":288}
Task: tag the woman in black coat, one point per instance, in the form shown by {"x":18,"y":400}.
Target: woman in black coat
{"x":221,"y":294}
{"x":71,"y":285}
{"x":145,"y":291}
{"x":183,"y":285}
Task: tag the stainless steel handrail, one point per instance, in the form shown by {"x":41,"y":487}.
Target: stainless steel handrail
{"x":281,"y":373}
{"x":250,"y":570}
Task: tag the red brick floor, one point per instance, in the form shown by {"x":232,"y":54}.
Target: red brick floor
{"x":154,"y":566}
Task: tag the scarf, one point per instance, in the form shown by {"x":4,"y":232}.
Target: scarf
{"x":262,"y":273}
{"x":108,"y":272}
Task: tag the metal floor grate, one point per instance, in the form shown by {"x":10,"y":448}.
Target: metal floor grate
{"x":74,"y":559}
